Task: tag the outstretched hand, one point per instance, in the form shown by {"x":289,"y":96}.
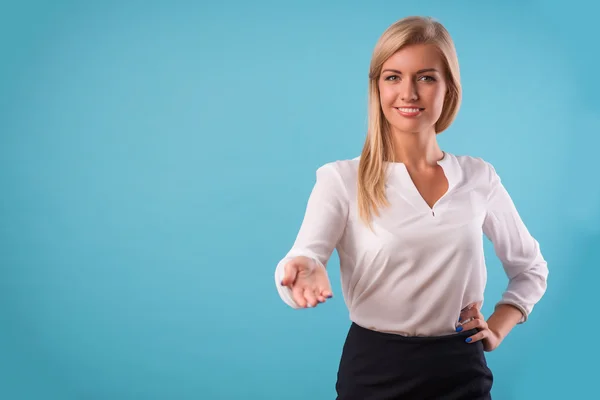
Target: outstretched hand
{"x":307,"y":280}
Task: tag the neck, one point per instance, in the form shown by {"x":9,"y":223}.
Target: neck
{"x":416,"y":150}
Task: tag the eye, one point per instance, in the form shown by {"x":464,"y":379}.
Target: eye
{"x":427,"y":78}
{"x":392,"y":78}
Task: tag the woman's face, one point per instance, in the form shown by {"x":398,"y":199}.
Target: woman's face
{"x":412,"y":88}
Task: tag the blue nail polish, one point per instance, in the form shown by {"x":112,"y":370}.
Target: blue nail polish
{"x":468,"y":340}
{"x":459,"y":328}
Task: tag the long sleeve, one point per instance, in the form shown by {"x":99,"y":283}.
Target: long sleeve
{"x":518,"y":251}
{"x":322,"y":227}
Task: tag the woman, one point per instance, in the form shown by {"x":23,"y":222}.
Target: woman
{"x":407,"y":220}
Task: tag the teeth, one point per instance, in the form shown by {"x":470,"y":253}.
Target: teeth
{"x":409,"y":110}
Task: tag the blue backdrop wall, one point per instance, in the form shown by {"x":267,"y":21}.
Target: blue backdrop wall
{"x":156,"y":159}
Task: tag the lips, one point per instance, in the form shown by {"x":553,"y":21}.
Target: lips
{"x":409,"y":111}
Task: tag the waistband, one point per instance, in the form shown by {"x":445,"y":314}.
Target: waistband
{"x":387,"y":336}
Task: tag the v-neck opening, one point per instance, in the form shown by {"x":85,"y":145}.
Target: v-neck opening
{"x":398,"y":170}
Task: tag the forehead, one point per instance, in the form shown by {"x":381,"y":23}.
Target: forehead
{"x":415,"y":57}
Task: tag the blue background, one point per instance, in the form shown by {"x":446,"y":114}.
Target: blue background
{"x":156,"y":159}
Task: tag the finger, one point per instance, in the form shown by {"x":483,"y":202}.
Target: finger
{"x":311,"y":299}
{"x":472,"y":324}
{"x":323,"y":295}
{"x":470,"y":311}
{"x":290,"y":274}
{"x":320,"y":297}
{"x":466,"y":316}
{"x":469,"y":316}
{"x":478,"y":336}
{"x":298,"y":295}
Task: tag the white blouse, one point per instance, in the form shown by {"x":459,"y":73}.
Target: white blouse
{"x":420,"y":266}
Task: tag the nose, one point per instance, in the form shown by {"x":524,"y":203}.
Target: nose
{"x":408,"y":90}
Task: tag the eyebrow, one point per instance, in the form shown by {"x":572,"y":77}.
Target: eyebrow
{"x":418,"y":72}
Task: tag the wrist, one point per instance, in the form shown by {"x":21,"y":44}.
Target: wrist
{"x":497,"y":333}
{"x":504,"y":318}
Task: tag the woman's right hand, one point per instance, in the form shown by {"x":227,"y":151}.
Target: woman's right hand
{"x":307,"y":280}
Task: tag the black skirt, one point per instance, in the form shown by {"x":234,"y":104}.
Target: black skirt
{"x":384,"y":366}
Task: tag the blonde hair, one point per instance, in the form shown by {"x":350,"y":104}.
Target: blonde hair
{"x":378,"y":147}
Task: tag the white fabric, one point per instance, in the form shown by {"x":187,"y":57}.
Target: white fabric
{"x":421,"y":265}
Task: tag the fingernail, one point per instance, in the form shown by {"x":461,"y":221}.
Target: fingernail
{"x":468,"y":340}
{"x":458,"y":329}
{"x":459,"y":319}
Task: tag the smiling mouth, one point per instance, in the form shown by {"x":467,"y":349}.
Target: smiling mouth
{"x":409,"y":111}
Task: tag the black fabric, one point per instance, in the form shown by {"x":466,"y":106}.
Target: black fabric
{"x":384,"y":366}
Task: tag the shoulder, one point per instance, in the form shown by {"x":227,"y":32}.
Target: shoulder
{"x":346,"y":169}
{"x":473,"y":164}
{"x":339,"y":176}
{"x":476,"y":169}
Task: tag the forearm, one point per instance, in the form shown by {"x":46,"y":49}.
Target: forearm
{"x":504,"y":319}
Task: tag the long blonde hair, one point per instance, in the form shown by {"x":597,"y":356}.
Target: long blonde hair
{"x":378,"y":148}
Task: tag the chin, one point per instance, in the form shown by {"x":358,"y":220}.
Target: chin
{"x":410,"y":126}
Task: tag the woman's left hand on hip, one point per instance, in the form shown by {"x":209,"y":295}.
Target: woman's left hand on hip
{"x":472,"y":318}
